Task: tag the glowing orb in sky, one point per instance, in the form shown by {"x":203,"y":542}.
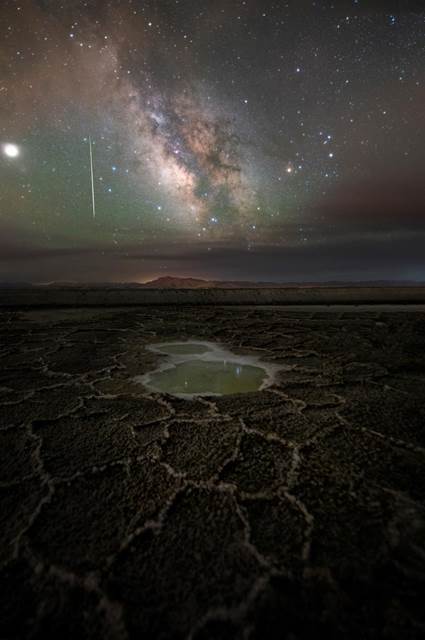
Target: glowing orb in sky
{"x":11,"y":150}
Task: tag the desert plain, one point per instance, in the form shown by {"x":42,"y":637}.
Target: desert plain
{"x":295,"y":512}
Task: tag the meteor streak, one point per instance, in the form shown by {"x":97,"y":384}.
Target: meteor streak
{"x":92,"y":180}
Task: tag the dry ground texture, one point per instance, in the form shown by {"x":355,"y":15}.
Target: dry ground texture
{"x":292,"y":513}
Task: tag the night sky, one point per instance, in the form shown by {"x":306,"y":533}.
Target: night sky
{"x":231,"y":139}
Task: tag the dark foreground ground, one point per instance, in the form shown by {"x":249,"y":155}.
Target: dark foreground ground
{"x":292,"y":513}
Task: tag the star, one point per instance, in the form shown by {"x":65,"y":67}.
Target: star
{"x":11,"y":150}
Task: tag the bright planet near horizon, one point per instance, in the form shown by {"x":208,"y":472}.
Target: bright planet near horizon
{"x":11,"y":150}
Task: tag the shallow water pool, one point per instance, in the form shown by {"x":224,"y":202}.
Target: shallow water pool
{"x":205,"y":368}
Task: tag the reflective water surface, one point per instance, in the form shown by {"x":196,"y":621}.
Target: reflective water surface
{"x":205,"y":368}
{"x":182,"y":348}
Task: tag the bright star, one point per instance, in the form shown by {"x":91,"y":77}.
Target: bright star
{"x":11,"y":150}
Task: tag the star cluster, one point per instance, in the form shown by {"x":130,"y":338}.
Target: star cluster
{"x":231,"y":138}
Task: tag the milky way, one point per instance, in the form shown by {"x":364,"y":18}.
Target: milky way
{"x":248,"y":139}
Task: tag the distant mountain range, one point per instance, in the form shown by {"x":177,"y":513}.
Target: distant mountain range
{"x":172,"y":282}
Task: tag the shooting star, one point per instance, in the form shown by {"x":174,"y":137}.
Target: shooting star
{"x":92,"y":180}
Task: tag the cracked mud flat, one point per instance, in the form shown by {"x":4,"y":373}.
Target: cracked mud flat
{"x":290,"y":513}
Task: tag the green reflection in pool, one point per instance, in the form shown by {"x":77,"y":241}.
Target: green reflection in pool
{"x":208,"y":377}
{"x":183,"y":349}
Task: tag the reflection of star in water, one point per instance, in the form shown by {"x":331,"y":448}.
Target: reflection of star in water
{"x":11,"y":150}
